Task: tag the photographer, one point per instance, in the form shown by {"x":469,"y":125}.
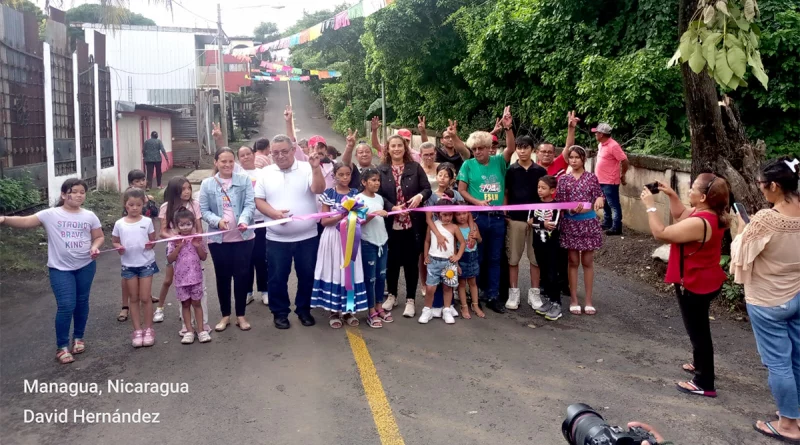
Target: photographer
{"x":693,"y":266}
{"x":764,"y":257}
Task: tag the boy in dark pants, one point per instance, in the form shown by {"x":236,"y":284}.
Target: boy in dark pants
{"x":547,"y":248}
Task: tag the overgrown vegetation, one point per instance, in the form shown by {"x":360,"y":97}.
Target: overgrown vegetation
{"x":732,"y":293}
{"x":17,"y":194}
{"x":466,"y":59}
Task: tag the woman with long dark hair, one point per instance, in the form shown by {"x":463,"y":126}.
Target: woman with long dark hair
{"x":765,"y":257}
{"x":404,"y":185}
{"x":227,"y":202}
{"x":693,"y":266}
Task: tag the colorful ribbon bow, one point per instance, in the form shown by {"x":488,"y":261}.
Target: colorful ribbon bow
{"x":350,"y":230}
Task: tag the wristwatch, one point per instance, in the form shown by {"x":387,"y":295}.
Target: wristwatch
{"x":652,"y":210}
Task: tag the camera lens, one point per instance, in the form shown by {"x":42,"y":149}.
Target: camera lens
{"x":582,"y":424}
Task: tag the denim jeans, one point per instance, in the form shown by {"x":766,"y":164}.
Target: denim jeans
{"x":71,"y":288}
{"x":279,"y":258}
{"x":373,"y":260}
{"x":612,"y":205}
{"x":493,"y":232}
{"x":777,"y":332}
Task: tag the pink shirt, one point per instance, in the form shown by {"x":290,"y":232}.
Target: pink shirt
{"x":609,"y":157}
{"x":162,"y":214}
{"x":231,"y":236}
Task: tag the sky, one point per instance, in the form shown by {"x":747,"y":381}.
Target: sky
{"x":238,"y":16}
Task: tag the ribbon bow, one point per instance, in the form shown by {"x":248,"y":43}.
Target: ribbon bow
{"x":350,"y":231}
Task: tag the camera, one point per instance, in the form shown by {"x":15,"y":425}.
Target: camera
{"x":653,"y":187}
{"x":583,"y":426}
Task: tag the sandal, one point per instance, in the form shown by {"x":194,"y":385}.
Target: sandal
{"x":575,"y":310}
{"x":688,"y":367}
{"x":385,"y":315}
{"x":123,"y":314}
{"x":351,"y":320}
{"x":223,"y":324}
{"x":78,"y":346}
{"x":773,"y":432}
{"x":374,"y":321}
{"x":589,"y":310}
{"x":476,"y":307}
{"x":695,"y":390}
{"x":335,"y":322}
{"x":245,"y":326}
{"x":465,"y":312}
{"x":64,"y":357}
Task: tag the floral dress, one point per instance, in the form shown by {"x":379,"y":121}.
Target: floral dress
{"x":329,"y":291}
{"x":580,"y":234}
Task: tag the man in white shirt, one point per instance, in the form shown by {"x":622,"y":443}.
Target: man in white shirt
{"x":285,"y":188}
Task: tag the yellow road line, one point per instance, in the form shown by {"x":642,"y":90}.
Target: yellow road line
{"x":378,"y":403}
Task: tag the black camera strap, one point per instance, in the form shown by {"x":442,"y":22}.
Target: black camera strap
{"x":703,"y":243}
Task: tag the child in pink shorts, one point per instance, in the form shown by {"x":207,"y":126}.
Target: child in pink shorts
{"x":187,"y":255}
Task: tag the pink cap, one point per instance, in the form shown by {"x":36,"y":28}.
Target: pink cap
{"x":494,"y":138}
{"x":314,"y":140}
{"x":404,"y":133}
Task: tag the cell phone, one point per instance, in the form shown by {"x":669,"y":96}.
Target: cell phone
{"x":740,"y":210}
{"x":653,"y":187}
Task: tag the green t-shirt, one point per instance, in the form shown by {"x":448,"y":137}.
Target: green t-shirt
{"x":485,"y":182}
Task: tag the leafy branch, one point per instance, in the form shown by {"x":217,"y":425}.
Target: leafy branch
{"x":724,"y":39}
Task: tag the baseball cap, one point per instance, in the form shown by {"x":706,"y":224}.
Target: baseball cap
{"x":404,"y":133}
{"x":314,"y":140}
{"x":494,"y":138}
{"x":602,"y":128}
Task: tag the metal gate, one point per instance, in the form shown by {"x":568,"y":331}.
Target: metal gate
{"x":88,"y":147}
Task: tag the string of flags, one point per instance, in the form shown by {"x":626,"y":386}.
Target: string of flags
{"x":364,"y":8}
{"x":273,"y":72}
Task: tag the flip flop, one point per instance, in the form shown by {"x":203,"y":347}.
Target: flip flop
{"x":124,"y":317}
{"x":688,"y":367}
{"x":773,"y":433}
{"x":696,"y":390}
{"x":351,"y":320}
{"x":589,"y":310}
{"x":335,"y":322}
{"x":575,"y":310}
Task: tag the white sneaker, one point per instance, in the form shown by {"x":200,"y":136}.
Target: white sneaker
{"x":250,"y":298}
{"x":513,"y":299}
{"x":265,"y":298}
{"x":447,"y":316}
{"x":188,"y":338}
{"x":158,"y":317}
{"x":426,"y":316}
{"x":453,"y":311}
{"x":410,"y":311}
{"x":390,"y":303}
{"x":534,"y":298}
{"x":437,"y":312}
{"x":204,"y":337}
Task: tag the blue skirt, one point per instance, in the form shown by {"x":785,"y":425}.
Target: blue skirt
{"x":329,"y":292}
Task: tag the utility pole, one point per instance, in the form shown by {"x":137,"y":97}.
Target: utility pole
{"x":383,"y":111}
{"x":223,"y":106}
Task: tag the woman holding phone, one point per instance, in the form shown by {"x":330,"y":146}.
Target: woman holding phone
{"x":693,"y":266}
{"x":765,"y":257}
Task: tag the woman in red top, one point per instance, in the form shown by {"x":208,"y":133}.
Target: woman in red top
{"x":693,"y":267}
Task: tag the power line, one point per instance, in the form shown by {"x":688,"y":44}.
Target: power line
{"x":193,"y":62}
{"x":193,"y":13}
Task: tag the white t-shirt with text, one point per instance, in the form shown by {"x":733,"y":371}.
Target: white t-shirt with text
{"x":69,"y":237}
{"x":134,"y":236}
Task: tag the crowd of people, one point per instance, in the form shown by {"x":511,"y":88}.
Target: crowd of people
{"x":453,"y":254}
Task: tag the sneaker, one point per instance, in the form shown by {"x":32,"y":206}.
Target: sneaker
{"x":535,"y":298}
{"x":188,"y":338}
{"x":204,"y":337}
{"x":137,"y":338}
{"x":182,"y":332}
{"x":250,"y":298}
{"x":447,"y":316}
{"x":544,"y":308}
{"x":513,"y":299}
{"x":265,"y":298}
{"x":453,"y":311}
{"x":554,"y":313}
{"x":426,"y":316}
{"x":390,"y":303}
{"x":158,"y":317}
{"x":409,"y":312}
{"x":437,"y":312}
{"x":149,"y":337}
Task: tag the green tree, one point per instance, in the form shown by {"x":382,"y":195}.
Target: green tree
{"x":28,"y":6}
{"x":90,"y":13}
{"x":266,"y":32}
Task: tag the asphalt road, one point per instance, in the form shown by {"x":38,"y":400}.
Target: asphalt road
{"x":503,"y":380}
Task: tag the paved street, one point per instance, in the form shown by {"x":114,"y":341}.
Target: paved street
{"x":503,"y":380}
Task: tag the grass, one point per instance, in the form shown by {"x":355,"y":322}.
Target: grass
{"x":25,"y":251}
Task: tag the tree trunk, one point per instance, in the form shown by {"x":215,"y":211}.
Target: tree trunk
{"x":719,"y":142}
